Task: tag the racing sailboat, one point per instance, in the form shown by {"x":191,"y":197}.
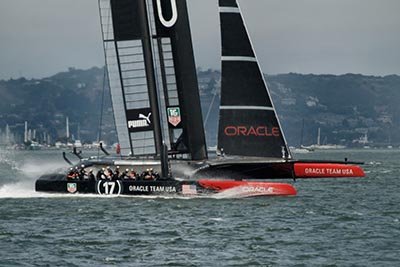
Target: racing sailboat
{"x":250,"y":137}
{"x":155,"y":96}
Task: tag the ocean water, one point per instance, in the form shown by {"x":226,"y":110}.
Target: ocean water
{"x":333,"y":222}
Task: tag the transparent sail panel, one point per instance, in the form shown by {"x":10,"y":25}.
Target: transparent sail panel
{"x":170,"y":72}
{"x":133,"y":74}
{"x":106,"y":20}
{"x":114,"y":77}
{"x":143,"y":143}
{"x":128,"y":81}
{"x":117,"y":97}
{"x":160,"y":86}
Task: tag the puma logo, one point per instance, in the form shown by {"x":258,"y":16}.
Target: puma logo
{"x":147,"y":118}
{"x":143,"y":121}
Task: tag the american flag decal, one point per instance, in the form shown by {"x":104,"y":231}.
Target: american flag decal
{"x":188,"y":189}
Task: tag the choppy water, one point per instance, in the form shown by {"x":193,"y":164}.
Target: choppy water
{"x":330,"y":222}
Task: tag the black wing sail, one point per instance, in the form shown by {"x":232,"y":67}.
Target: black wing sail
{"x":152,"y":75}
{"x":177,"y":78}
{"x":248,"y":124}
{"x":130,"y":71}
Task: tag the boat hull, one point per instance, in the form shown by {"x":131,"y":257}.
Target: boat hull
{"x":59,"y":184}
{"x":292,"y":169}
{"x":327,"y":170}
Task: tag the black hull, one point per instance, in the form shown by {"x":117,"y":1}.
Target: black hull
{"x":261,"y":169}
{"x":58,"y":184}
{"x":248,"y":169}
{"x":171,"y":187}
{"x":193,"y":175}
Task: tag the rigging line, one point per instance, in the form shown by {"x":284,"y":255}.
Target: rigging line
{"x":102,"y":105}
{"x":210,"y":108}
{"x":105,"y":74}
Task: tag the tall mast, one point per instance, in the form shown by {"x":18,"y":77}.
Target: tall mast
{"x":148,"y":57}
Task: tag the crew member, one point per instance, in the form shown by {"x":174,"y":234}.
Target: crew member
{"x":91,"y":175}
{"x":133,"y":175}
{"x":115,"y":176}
{"x":82,"y":173}
{"x":101,"y":175}
{"x":109,"y":173}
{"x":149,"y":174}
{"x":124,"y":175}
{"x":76,"y":173}
{"x":71,"y":174}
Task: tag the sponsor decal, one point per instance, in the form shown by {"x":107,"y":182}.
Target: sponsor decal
{"x":143,"y":121}
{"x":258,"y":189}
{"x":174,"y":116}
{"x":174,"y":17}
{"x":259,"y":131}
{"x":139,"y":119}
{"x":328,"y":171}
{"x":72,"y":188}
{"x":311,"y":170}
{"x":188,"y":189}
{"x":109,"y":188}
{"x":152,"y":188}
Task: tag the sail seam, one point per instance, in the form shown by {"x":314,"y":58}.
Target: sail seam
{"x":229,"y":10}
{"x":238,"y":58}
{"x":248,"y":107}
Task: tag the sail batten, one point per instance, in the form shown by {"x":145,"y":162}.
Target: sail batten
{"x":248,"y":124}
{"x":248,"y":108}
{"x":229,"y":10}
{"x":238,"y":58}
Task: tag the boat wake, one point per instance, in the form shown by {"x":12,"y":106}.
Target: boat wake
{"x":236,"y":192}
{"x":17,"y":178}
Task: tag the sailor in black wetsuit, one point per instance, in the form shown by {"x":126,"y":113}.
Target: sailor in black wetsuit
{"x":71,"y":174}
{"x":149,"y":175}
{"x":156,"y":175}
{"x":109,"y":173}
{"x":82,"y":173}
{"x":124,"y":175}
{"x":76,"y":173}
{"x":101,"y":174}
{"x":115,"y":176}
{"x":133,"y":175}
{"x":91,"y":175}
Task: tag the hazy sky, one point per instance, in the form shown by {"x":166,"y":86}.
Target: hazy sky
{"x":42,"y":37}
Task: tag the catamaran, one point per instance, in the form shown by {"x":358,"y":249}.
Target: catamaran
{"x":155,"y":96}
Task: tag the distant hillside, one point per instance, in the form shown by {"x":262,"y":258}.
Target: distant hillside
{"x":46,"y":103}
{"x":344,"y":107}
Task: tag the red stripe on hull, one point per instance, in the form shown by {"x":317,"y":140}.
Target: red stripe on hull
{"x":250,"y":189}
{"x":327,"y":170}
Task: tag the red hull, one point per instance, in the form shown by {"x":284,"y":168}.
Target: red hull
{"x":249,"y":189}
{"x":327,"y":170}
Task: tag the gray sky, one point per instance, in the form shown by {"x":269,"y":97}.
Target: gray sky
{"x":42,"y":37}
